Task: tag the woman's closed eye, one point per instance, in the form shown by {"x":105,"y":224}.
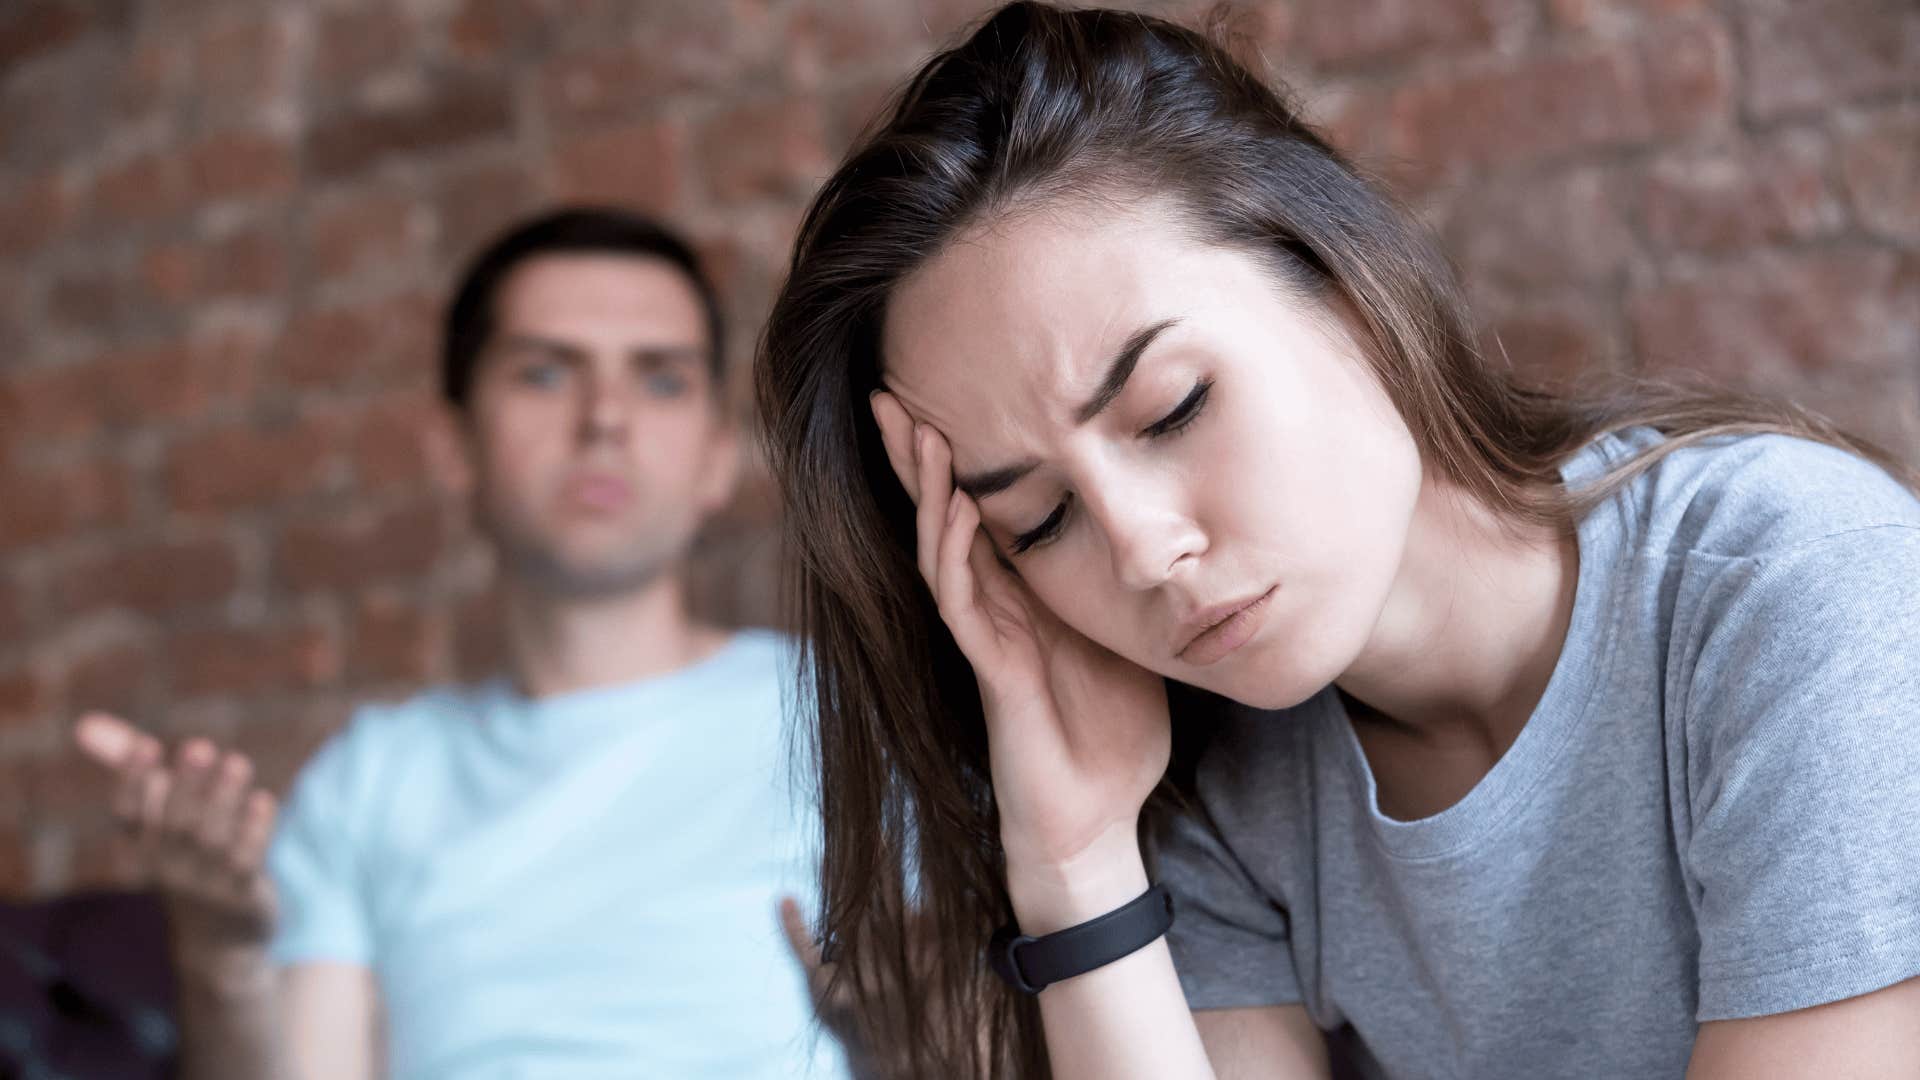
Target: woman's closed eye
{"x":1175,"y":422}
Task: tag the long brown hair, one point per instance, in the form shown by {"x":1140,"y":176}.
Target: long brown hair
{"x":1038,"y":104}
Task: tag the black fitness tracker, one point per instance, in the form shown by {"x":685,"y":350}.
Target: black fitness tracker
{"x":1031,"y":964}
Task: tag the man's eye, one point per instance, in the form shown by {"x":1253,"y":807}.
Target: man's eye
{"x":1183,"y":414}
{"x":543,"y":373}
{"x":666,"y":384}
{"x":1042,"y":532}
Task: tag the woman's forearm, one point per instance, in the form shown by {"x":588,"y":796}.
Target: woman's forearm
{"x":1128,"y":1018}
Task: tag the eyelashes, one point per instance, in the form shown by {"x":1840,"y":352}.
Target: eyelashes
{"x":1176,"y":421}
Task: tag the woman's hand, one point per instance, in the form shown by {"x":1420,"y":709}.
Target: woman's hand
{"x":1077,"y":736}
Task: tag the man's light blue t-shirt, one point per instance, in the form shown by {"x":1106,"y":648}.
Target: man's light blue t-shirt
{"x":575,"y":886}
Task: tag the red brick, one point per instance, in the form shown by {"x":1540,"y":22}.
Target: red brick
{"x":1723,"y":201}
{"x":13,"y":610}
{"x":394,"y":642}
{"x":1881,"y":165}
{"x":478,"y":203}
{"x":1606,"y":16}
{"x":1808,"y":56}
{"x":248,"y":262}
{"x":129,"y":386}
{"x":279,"y":748}
{"x":636,"y":165}
{"x":152,"y":578}
{"x":170,"y":272}
{"x":682,"y":48}
{"x":1345,"y":33}
{"x":370,"y":234}
{"x":824,"y":40}
{"x":353,"y":43}
{"x":151,"y":78}
{"x":764,"y":149}
{"x":252,"y":660}
{"x":1550,"y":340}
{"x":947,"y":20}
{"x":147,"y":188}
{"x":361,"y":548}
{"x":34,"y":211}
{"x":384,"y":342}
{"x":1537,"y":108}
{"x":92,"y":299}
{"x":1836,"y":315}
{"x":54,"y":503}
{"x":393,"y":442}
{"x":27,"y":698}
{"x":1690,"y":75}
{"x":246,"y":465}
{"x":487,"y":29}
{"x":36,"y":27}
{"x":1358,"y":120}
{"x":446,"y":114}
{"x":115,"y":679}
{"x":1567,"y":228}
{"x":241,"y":165}
{"x":246,"y":60}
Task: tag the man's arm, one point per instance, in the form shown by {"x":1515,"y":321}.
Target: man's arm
{"x":200,"y":829}
{"x":1870,"y":1036}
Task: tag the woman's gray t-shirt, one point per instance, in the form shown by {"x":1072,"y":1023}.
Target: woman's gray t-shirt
{"x":1713,"y":812}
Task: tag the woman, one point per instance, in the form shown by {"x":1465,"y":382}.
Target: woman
{"x":1128,"y":435}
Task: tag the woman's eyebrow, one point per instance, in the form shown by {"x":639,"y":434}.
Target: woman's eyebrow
{"x":1120,"y":369}
{"x":979,"y":485}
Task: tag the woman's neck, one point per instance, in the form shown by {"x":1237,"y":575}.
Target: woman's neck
{"x":1472,"y":628}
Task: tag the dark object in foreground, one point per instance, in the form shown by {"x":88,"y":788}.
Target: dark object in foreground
{"x":86,"y":989}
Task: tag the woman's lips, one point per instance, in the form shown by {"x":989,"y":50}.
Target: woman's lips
{"x":1229,"y":633}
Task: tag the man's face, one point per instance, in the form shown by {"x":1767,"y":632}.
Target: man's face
{"x":594,"y":425}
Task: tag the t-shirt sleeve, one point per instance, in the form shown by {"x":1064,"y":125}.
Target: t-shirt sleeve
{"x":1803,"y":736}
{"x":314,"y":863}
{"x":1229,"y":940}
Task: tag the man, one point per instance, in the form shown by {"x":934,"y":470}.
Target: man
{"x":569,"y":870}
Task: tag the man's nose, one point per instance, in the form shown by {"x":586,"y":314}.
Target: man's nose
{"x":607,"y":409}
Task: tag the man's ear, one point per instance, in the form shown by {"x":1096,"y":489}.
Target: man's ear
{"x":450,"y":446}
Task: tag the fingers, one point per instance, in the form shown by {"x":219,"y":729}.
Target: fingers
{"x":799,"y":937}
{"x":936,"y":500}
{"x":253,"y":832}
{"x":897,"y":435}
{"x":193,"y":766}
{"x":226,"y":794}
{"x":136,"y":762}
{"x":954,"y":591}
{"x":106,"y":739}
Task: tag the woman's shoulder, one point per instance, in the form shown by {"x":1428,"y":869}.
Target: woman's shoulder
{"x":1752,"y":496}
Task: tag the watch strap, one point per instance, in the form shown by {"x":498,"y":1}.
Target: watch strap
{"x":1031,"y":964}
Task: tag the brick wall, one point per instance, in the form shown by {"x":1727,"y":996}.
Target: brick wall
{"x":226,"y":228}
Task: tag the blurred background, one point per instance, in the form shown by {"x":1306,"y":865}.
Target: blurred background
{"x":227,"y":228}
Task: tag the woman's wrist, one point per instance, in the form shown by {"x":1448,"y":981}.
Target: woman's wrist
{"x":1051,"y":895}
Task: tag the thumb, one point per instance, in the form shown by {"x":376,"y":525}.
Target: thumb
{"x":106,"y":739}
{"x":799,"y":938}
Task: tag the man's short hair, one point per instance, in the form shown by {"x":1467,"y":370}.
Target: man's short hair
{"x":580,"y":230}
